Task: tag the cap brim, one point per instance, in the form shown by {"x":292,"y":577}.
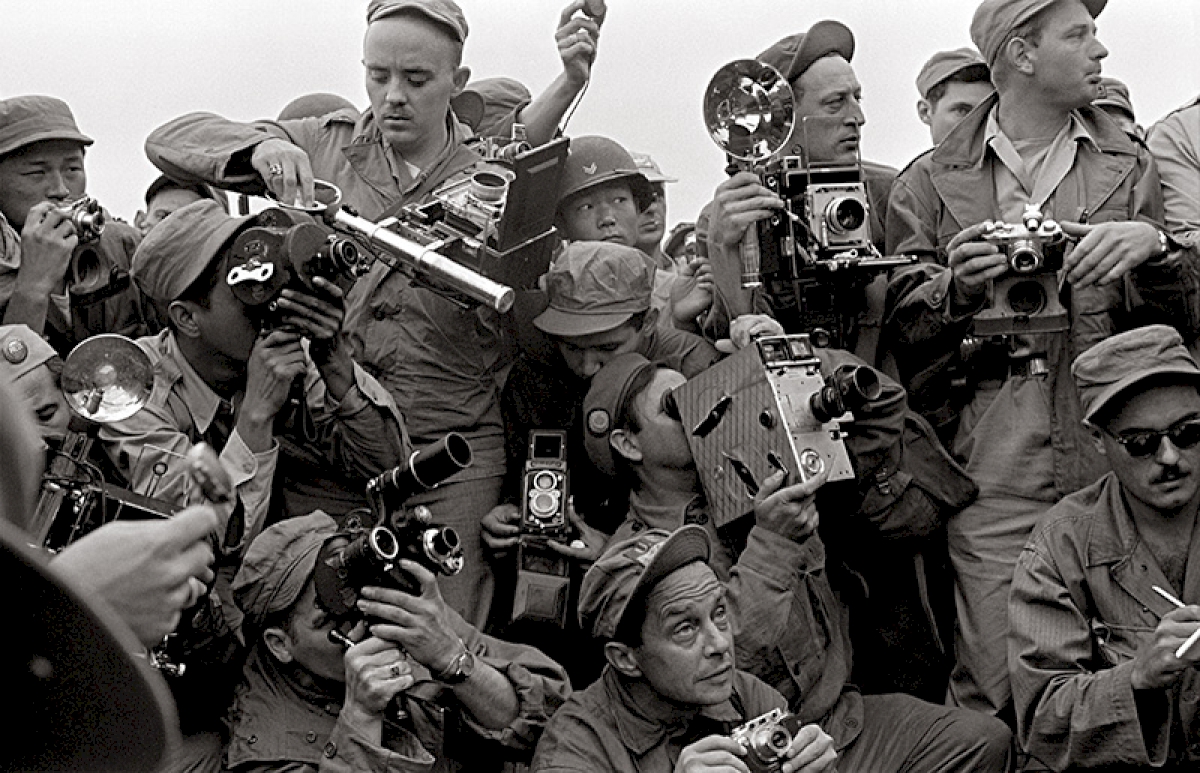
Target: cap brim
{"x":58,"y":134}
{"x":1115,"y":389}
{"x":823,"y":38}
{"x":685,"y":545}
{"x":555,"y":322}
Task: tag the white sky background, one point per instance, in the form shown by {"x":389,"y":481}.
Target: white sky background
{"x":126,"y":66}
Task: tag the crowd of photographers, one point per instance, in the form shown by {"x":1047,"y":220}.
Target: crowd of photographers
{"x":460,"y":517}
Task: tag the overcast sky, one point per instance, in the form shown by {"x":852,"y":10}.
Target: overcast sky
{"x":126,"y":66}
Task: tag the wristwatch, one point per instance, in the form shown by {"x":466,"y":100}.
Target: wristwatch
{"x":460,"y":669}
{"x":1164,"y":243}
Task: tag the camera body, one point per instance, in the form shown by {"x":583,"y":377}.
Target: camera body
{"x":766,"y":739}
{"x":769,"y":407}
{"x":87,"y":218}
{"x":1025,"y":299}
{"x":826,"y":213}
{"x":543,"y":577}
{"x":497,"y":218}
{"x":288,"y":249}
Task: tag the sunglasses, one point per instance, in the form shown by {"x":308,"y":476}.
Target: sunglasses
{"x":1183,"y":435}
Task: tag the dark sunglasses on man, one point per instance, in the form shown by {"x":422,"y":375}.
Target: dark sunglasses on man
{"x":1184,"y":434}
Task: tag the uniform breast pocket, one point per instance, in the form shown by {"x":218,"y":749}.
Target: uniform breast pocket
{"x":1114,"y":644}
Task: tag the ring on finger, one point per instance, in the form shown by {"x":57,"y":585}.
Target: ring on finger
{"x":395,"y":671}
{"x":276,"y":169}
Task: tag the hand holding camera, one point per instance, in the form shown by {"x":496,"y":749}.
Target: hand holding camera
{"x":419,"y":624}
{"x":739,"y":202}
{"x":974,"y":263}
{"x":320,"y":319}
{"x":588,"y":543}
{"x":577,"y":37}
{"x":776,"y":742}
{"x":789,"y":511}
{"x":47,"y":241}
{"x":275,"y":361}
{"x":376,"y":671}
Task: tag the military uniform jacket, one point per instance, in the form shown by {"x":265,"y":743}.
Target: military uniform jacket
{"x":951,"y":187}
{"x":1082,"y":603}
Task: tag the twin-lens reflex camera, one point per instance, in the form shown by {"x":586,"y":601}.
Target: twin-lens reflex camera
{"x":543,"y":576}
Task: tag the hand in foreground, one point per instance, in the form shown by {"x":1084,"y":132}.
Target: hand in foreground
{"x":285,"y":169}
{"x":789,"y":511}
{"x":500,"y":529}
{"x":1108,"y":251}
{"x":692,"y":291}
{"x":974,"y":263}
{"x":745,"y":329}
{"x":586,"y":547}
{"x":739,"y":202}
{"x":1155,"y":665}
{"x":148,"y":571}
{"x":47,"y":241}
{"x":419,"y":624}
{"x":275,"y":361}
{"x":376,"y":670}
{"x":577,"y":37}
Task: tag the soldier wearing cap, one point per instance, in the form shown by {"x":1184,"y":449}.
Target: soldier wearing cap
{"x":442,"y":363}
{"x":305,"y":702}
{"x":1107,"y":591}
{"x":1038,"y":141}
{"x":951,"y":84}
{"x":42,"y":171}
{"x":652,"y":224}
{"x":828,"y":121}
{"x":33,"y":369}
{"x":165,"y":195}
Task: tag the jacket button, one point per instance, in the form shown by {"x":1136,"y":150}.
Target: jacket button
{"x":331,"y":750}
{"x":636,"y":526}
{"x":796,"y":668}
{"x":252,"y":739}
{"x":310,"y":736}
{"x":379,"y":315}
{"x":852,"y":723}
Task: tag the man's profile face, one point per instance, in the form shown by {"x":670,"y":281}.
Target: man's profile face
{"x":1169,"y":478}
{"x":309,"y":638}
{"x":51,"y":170}
{"x":652,"y":222}
{"x":958,"y":100}
{"x":686,"y":653}
{"x":162,"y":204}
{"x":412,"y":71}
{"x":225,"y":326}
{"x":603,"y":213}
{"x":661,"y":437}
{"x":1066,"y":60}
{"x":830,"y":101}
{"x":585,"y":355}
{"x":41,"y":393}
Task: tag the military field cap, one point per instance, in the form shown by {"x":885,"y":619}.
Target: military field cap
{"x":630,"y":569}
{"x":177,"y":250}
{"x":608,"y":392}
{"x":995,"y":20}
{"x":484,"y":102}
{"x":650,"y":169}
{"x":162,"y":183}
{"x":314,"y":106}
{"x":443,"y":12}
{"x":945,"y":64}
{"x":796,"y":53}
{"x":22,"y":350}
{"x":34,"y":118}
{"x":278,"y":564}
{"x":1114,"y":93}
{"x":593,"y":287}
{"x":1120,"y":362}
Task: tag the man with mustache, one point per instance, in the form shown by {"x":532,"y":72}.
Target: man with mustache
{"x":1107,"y":591}
{"x":1037,"y":141}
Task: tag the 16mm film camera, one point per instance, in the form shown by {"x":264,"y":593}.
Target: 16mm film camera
{"x":767,"y":408}
{"x":1025,"y":300}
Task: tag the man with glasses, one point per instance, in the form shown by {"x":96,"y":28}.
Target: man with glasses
{"x":1106,"y":595}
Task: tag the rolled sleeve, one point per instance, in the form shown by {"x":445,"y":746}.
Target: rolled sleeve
{"x":203,"y":147}
{"x":362,"y":434}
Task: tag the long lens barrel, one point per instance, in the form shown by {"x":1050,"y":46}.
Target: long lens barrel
{"x":848,"y":388}
{"x":423,"y":470}
{"x":428,"y":260}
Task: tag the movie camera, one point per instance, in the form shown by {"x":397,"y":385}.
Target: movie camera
{"x":1025,"y":299}
{"x":543,"y":577}
{"x":766,"y":740}
{"x":769,"y":407}
{"x":368,"y":552}
{"x":483,"y":233}
{"x":815,"y":255}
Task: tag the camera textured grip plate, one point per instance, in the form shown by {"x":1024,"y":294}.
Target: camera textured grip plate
{"x":763,"y":424}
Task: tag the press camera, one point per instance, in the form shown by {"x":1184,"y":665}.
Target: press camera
{"x":543,"y":577}
{"x":766,"y":740}
{"x":769,"y":407}
{"x":1025,"y":299}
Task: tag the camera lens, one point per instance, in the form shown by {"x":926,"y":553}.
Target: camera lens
{"x":545,"y":481}
{"x":383,"y":543}
{"x":1028,"y":297}
{"x":845,"y":214}
{"x":488,"y":187}
{"x":770,"y":743}
{"x":543,"y":504}
{"x":1024,"y":257}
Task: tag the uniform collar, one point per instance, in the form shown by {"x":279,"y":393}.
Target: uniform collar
{"x":1113,"y":536}
{"x":199,"y":398}
{"x":367,"y":132}
{"x":645,"y":720}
